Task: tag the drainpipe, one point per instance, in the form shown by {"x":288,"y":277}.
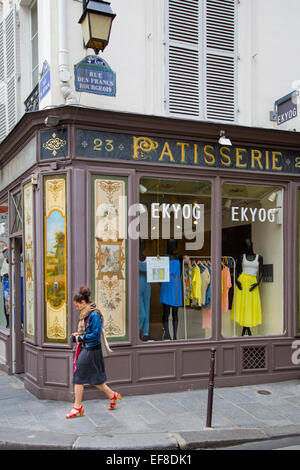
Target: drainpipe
{"x":63,"y":58}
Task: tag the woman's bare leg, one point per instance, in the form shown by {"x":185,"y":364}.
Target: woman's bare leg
{"x":78,"y":395}
{"x":105,"y":388}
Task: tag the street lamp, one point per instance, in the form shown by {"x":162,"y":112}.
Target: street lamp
{"x":96,"y":22}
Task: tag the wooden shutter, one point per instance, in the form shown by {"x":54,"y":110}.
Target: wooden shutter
{"x":8,"y":73}
{"x":183,"y":57}
{"x":221,"y":60}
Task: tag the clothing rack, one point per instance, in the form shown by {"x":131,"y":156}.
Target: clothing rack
{"x":206,"y":258}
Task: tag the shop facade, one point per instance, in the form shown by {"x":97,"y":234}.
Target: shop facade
{"x":80,"y":197}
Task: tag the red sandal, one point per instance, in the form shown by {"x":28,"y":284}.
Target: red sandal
{"x":78,"y":412}
{"x":113,"y":400}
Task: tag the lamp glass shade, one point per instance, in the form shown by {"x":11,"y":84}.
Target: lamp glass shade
{"x":96,"y":24}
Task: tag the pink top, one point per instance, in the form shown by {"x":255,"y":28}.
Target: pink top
{"x":226,"y":285}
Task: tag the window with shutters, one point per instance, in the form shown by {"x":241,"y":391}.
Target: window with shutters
{"x":201,"y":59}
{"x":8,"y":73}
{"x":34,"y":45}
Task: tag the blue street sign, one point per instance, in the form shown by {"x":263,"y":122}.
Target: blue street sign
{"x":45,"y":83}
{"x":93,"y":75}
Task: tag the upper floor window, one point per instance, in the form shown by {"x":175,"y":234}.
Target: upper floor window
{"x":202,"y":58}
{"x":34,"y":44}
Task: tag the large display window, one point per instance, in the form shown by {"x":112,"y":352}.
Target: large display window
{"x":298,"y":259}
{"x":252,"y":263}
{"x":4,"y":267}
{"x":175,"y":276}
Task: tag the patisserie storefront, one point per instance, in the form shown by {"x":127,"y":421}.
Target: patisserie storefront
{"x":187,"y":245}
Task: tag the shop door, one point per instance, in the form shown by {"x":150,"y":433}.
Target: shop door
{"x":17,"y":306}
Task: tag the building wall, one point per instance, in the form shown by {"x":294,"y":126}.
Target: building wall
{"x":275,"y":44}
{"x":268,"y":43}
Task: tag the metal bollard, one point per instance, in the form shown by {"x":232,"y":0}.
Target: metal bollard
{"x":211,"y":388}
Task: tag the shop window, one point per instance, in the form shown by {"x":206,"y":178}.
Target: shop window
{"x":4,"y":268}
{"x":109,"y":252}
{"x":174,"y":259}
{"x":252,"y":263}
{"x":299,"y":260}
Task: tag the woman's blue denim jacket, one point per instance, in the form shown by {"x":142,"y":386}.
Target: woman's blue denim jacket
{"x":92,"y":335}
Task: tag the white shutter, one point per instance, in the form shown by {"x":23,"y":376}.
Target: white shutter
{"x":2,"y":73}
{"x":3,"y":107}
{"x":8,"y":73}
{"x":201,"y":58}
{"x":183,"y":57}
{"x":11,"y":67}
{"x":3,"y":117}
{"x":221,"y":60}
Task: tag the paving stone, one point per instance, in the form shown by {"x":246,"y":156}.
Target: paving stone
{"x":209,"y":438}
{"x":167,"y":404}
{"x":234,"y":396}
{"x":127,"y":442}
{"x":13,"y":438}
{"x":268,"y":415}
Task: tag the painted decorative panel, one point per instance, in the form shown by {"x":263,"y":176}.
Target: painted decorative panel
{"x":55,"y":233}
{"x":29,"y":275}
{"x":110,"y":253}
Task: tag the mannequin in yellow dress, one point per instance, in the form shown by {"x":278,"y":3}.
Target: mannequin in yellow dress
{"x":247,"y":300}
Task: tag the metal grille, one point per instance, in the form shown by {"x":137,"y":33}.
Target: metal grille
{"x":254,"y":358}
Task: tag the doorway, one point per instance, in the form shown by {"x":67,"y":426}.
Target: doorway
{"x":17,"y":302}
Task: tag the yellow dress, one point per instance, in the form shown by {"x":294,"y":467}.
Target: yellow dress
{"x":247,"y":304}
{"x":196,"y":285}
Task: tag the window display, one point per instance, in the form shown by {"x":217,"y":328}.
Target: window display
{"x":177,"y":216}
{"x":298,"y":260}
{"x":4,"y":268}
{"x":252,"y":286}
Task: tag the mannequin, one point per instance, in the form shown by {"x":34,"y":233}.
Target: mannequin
{"x":171,"y":292}
{"x":249,"y":273}
{"x":145,"y":294}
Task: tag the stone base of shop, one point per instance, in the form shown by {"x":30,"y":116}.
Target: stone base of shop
{"x":91,"y":393}
{"x":148,"y":370}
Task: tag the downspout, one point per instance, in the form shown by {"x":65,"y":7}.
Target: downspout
{"x":63,"y":55}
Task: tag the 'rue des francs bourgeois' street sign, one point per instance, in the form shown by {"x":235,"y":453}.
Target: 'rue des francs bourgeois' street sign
{"x":93,"y":75}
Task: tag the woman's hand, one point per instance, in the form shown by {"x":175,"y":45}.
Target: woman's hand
{"x":75,"y":336}
{"x":253,"y":287}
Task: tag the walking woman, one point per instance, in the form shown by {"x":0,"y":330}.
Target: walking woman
{"x":89,"y":365}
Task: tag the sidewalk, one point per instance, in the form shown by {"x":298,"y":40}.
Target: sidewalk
{"x":160,"y":422}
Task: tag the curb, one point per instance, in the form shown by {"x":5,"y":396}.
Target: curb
{"x":20,"y":439}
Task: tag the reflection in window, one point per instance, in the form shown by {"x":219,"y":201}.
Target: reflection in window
{"x":175,"y":260}
{"x":4,"y":268}
{"x":252,"y":274}
{"x":299,"y":258}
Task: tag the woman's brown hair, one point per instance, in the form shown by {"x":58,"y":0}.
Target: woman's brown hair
{"x":83,"y":294}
